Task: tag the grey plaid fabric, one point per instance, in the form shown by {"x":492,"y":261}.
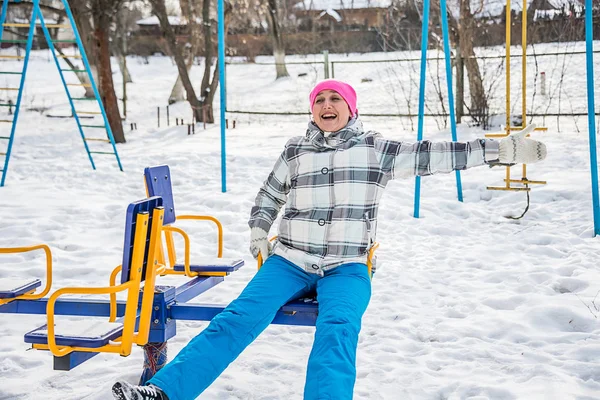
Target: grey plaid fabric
{"x":331,"y":187}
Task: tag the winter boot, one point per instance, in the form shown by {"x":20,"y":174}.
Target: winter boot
{"x":125,"y":391}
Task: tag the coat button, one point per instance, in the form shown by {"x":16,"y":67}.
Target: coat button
{"x":315,"y":266}
{"x":321,"y":222}
{"x":324,"y":170}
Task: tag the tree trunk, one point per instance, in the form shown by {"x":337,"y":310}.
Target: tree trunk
{"x":466,"y":27}
{"x":278,"y":44}
{"x":208,"y":47}
{"x":460,"y":88}
{"x":188,"y":11}
{"x":159,"y":9}
{"x":82,"y":16}
{"x":119,"y":45}
{"x":105,"y":82}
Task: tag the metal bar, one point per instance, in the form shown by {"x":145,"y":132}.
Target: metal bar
{"x":424,"y":43}
{"x":97,"y":140}
{"x":507,"y":49}
{"x":569,"y":53}
{"x":531,"y":114}
{"x":15,"y":25}
{"x":196,"y":286}
{"x":74,"y":307}
{"x":515,"y":189}
{"x":589,"y":47}
{"x":71,"y":360}
{"x":524,"y":66}
{"x":445,"y":35}
{"x":206,"y":312}
{"x":527,"y":182}
{"x":222,"y":91}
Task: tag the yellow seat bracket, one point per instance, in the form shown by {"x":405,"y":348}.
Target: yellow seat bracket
{"x":31,"y":296}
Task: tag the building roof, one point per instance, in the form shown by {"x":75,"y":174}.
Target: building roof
{"x":325,"y":5}
{"x":332,"y":13}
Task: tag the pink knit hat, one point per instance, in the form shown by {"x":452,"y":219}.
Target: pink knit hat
{"x":345,"y":90}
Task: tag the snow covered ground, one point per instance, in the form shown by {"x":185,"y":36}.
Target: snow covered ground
{"x":467,"y":304}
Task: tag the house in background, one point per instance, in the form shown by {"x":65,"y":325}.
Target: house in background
{"x":342,"y":15}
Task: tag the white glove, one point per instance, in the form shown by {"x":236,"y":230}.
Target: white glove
{"x":259,"y":243}
{"x":517,"y":149}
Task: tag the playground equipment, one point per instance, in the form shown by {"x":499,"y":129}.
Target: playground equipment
{"x":508,"y":123}
{"x":75,"y":111}
{"x":147,"y":317}
{"x":423,"y":70}
{"x":589,"y":47}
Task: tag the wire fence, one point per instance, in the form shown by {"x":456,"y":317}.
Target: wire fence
{"x":555,"y":84}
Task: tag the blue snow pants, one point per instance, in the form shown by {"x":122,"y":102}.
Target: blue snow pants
{"x":343,"y":294}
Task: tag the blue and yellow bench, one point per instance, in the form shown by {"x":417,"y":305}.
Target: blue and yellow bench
{"x":148,"y":314}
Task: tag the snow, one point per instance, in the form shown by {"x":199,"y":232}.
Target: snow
{"x":331,"y":12}
{"x":153,"y":20}
{"x":466,"y":304}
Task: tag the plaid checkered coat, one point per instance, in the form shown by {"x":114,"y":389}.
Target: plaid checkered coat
{"x":331,"y":187}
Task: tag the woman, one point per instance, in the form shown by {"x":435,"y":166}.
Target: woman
{"x":331,"y":181}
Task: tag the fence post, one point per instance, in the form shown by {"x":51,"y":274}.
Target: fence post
{"x":543,"y":83}
{"x":326,"y":63}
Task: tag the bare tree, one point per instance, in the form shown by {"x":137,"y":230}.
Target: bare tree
{"x":160,"y":10}
{"x":278,"y":44}
{"x":190,"y":47}
{"x":465,"y":28}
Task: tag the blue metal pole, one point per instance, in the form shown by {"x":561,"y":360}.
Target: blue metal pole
{"x":3,"y":17}
{"x":424,"y":41}
{"x":449,"y":83}
{"x":31,"y":33}
{"x":221,"y":30}
{"x":589,"y":48}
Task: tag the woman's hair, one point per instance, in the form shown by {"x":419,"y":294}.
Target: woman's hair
{"x":345,"y":90}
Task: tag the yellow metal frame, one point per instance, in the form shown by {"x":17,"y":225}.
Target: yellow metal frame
{"x":509,"y":128}
{"x":32,"y":295}
{"x":168,"y":269}
{"x":172,"y":253}
{"x":259,"y":259}
{"x":123,"y":344}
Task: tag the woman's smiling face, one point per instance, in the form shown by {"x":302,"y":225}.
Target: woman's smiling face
{"x":330,"y":111}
